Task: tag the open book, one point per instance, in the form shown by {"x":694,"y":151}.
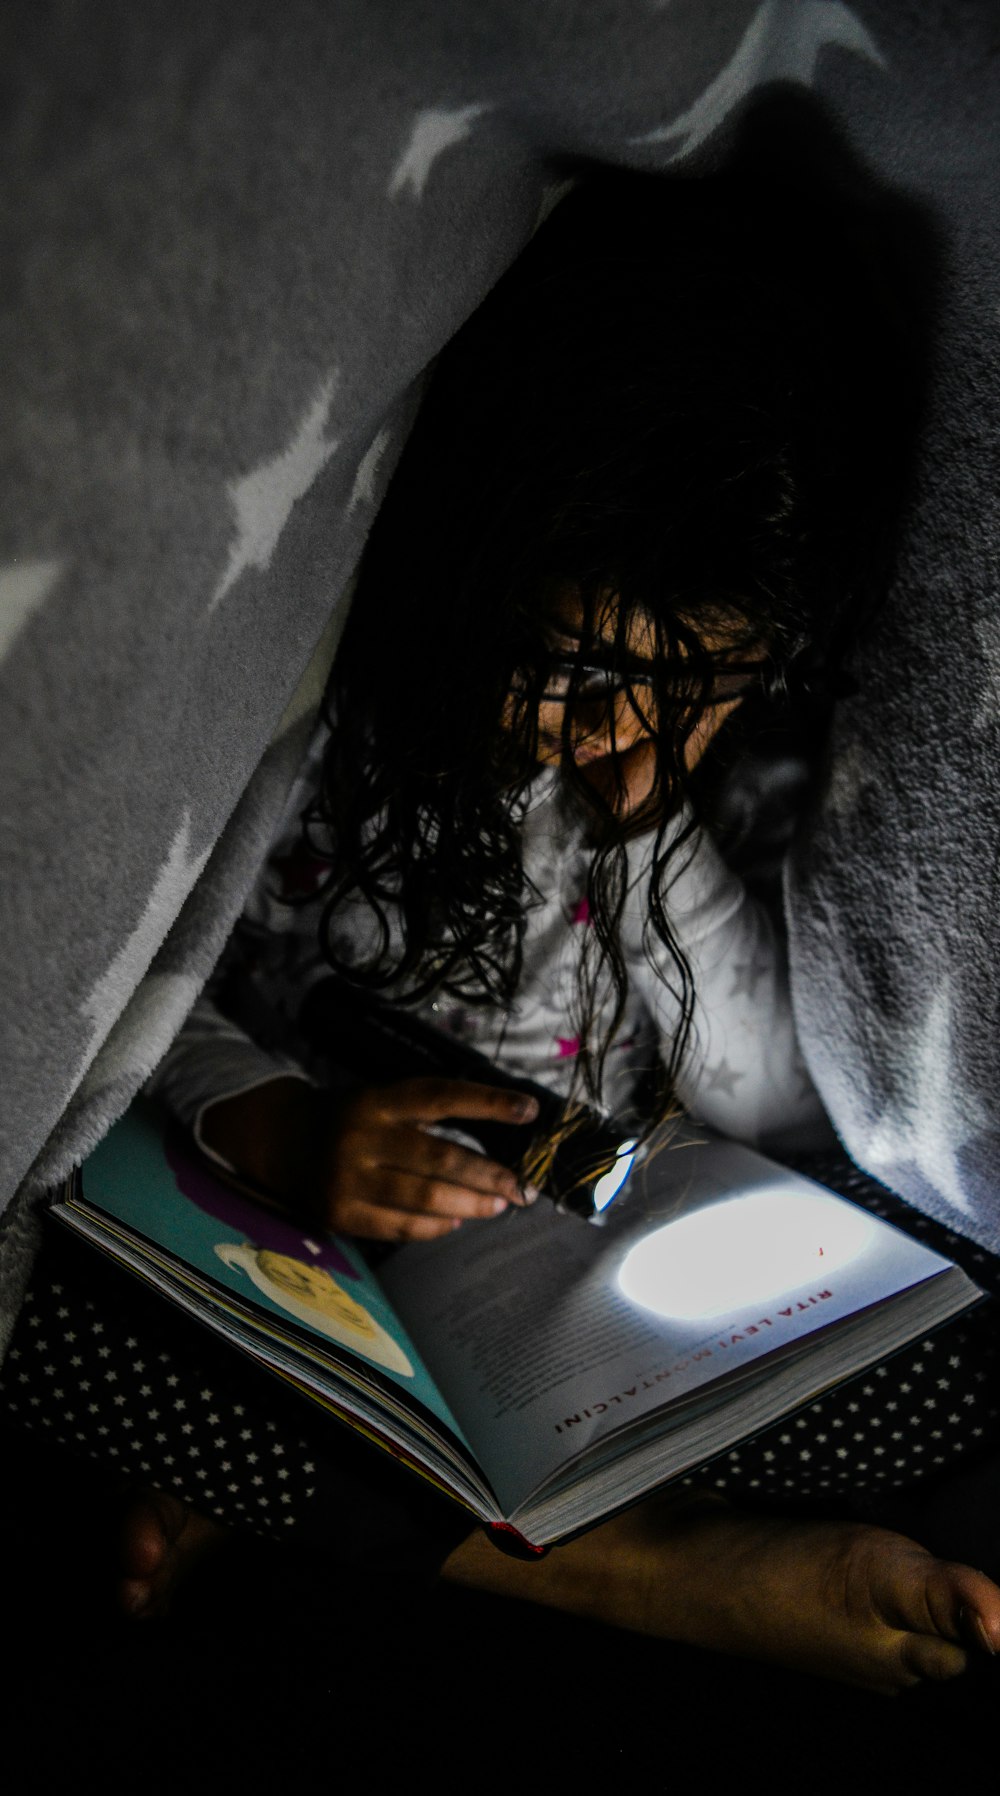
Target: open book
{"x":543,"y":1371}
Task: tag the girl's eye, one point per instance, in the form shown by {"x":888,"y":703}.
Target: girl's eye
{"x":556,"y":689}
{"x":589,"y":689}
{"x":728,"y":686}
{"x":595,"y":686}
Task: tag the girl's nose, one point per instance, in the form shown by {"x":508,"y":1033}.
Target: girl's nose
{"x":620,"y":729}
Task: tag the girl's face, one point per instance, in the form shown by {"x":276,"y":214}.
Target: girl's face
{"x":606,"y":721}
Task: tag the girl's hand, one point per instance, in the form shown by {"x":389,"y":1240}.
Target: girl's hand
{"x":368,"y":1166}
{"x":387,"y":1178}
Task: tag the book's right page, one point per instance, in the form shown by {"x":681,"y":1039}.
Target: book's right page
{"x":548,"y":1335}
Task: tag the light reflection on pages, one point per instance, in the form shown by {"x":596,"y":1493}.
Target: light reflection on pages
{"x":742,"y":1252}
{"x":608,"y":1187}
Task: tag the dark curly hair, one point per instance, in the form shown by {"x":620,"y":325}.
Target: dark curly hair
{"x":664,"y":408}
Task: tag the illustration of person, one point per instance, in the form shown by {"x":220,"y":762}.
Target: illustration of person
{"x":312,"y":1296}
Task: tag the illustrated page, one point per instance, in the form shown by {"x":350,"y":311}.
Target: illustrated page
{"x":157,"y":1185}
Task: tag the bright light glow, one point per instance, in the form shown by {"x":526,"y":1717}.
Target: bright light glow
{"x":611,"y":1182}
{"x":743,"y":1252}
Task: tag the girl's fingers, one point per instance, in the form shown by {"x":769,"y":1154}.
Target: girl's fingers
{"x":373,"y":1222}
{"x":446,"y":1162}
{"x":400,"y":1190}
{"x":390,"y":1206}
{"x":431,"y":1100}
{"x":389,"y":1178}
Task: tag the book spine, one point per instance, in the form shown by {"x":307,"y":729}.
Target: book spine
{"x":511,"y":1541}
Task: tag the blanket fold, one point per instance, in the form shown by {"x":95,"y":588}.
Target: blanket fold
{"x":233,"y":242}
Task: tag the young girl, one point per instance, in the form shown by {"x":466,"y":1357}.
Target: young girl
{"x":617,"y":523}
{"x":710,"y":994}
{"x":644,"y":502}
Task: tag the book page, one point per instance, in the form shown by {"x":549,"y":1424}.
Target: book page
{"x":541,"y":1352}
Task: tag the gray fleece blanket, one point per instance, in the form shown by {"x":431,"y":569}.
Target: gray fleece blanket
{"x":233,"y":238}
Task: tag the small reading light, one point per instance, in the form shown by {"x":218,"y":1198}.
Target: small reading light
{"x":744,"y":1251}
{"x":608,"y":1187}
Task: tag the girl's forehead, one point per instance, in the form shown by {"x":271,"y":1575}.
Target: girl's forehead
{"x":718,"y":633}
{"x":571,"y":625}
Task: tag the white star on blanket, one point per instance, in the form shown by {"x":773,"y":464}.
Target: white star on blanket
{"x":923,"y":1126}
{"x":263,"y":499}
{"x":782,"y":42}
{"x":435,"y":130}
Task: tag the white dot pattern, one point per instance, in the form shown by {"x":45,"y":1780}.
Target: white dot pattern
{"x":110,"y":1389}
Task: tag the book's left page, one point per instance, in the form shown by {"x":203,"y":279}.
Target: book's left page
{"x":146,"y":1176}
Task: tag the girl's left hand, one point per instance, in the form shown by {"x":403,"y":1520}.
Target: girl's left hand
{"x":369,"y":1165}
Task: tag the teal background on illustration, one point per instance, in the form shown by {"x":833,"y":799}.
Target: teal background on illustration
{"x":128,"y":1176}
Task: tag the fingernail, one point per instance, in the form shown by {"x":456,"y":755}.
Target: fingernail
{"x":982,"y":1635}
{"x":527,"y":1108}
{"x":499,"y":1205}
{"x":530,"y":1194}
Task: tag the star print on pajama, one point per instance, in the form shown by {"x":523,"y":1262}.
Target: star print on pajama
{"x":722,"y":1077}
{"x":741,"y":1072}
{"x":747,"y":975}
